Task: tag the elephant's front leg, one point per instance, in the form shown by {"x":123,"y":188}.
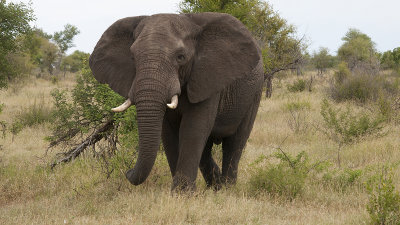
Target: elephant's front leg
{"x":195,"y":128}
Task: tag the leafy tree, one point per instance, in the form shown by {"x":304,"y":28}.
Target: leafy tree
{"x":281,"y":50}
{"x":391,"y":59}
{"x":47,"y":55}
{"x":64,"y":39}
{"x":358,"y":51}
{"x":14,"y":21}
{"x":322,"y":60}
{"x":74,"y":61}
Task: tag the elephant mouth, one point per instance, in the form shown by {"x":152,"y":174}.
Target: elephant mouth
{"x":124,"y":106}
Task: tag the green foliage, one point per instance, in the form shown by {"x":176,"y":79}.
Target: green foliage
{"x":298,"y":86}
{"x":359,"y":52}
{"x":74,"y":62}
{"x":64,"y":38}
{"x":384,"y":201}
{"x":391,"y":59}
{"x":86,"y":108}
{"x":286,"y":178}
{"x":346,"y":127}
{"x":342,"y":73}
{"x":14,"y":21}
{"x":322,"y":60}
{"x":342,"y":180}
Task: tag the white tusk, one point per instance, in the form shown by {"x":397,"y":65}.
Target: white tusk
{"x":174,"y":102}
{"x":122,"y":107}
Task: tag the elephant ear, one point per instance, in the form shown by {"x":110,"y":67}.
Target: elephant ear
{"x":111,"y":61}
{"x":225,"y":52}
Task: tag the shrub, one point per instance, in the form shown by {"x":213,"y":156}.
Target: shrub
{"x":346,"y":127}
{"x":297,"y":120}
{"x":341,"y":180}
{"x":361,"y":87}
{"x":298,"y":86}
{"x":342,"y":73}
{"x":384,"y":201}
{"x":86,"y":109}
{"x":286,"y":179}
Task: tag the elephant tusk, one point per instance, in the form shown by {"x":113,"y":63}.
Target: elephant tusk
{"x":122,"y":107}
{"x":174,"y":102}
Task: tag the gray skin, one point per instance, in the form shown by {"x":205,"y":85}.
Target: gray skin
{"x":213,"y":64}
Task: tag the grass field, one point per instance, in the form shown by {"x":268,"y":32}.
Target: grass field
{"x":80,"y":193}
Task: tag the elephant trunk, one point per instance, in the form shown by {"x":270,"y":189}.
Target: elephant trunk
{"x":150,"y":110}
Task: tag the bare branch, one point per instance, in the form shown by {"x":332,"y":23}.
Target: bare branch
{"x":96,"y":136}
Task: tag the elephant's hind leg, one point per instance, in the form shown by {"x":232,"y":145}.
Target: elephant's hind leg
{"x":208,"y":167}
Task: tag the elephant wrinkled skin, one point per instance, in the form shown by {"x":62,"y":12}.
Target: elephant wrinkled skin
{"x":213,"y":67}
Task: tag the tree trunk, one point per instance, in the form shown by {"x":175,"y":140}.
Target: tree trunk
{"x":268,"y":90}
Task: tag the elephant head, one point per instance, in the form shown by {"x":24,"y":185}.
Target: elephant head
{"x":151,"y":60}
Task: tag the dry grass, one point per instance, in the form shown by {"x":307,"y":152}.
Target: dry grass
{"x":79,"y":193}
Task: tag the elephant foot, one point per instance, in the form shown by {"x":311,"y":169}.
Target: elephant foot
{"x":133,"y":177}
{"x":182,"y":184}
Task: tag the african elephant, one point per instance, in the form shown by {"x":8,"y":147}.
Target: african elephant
{"x":210,"y":64}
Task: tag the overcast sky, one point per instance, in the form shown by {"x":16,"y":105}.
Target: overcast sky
{"x":323,"y":22}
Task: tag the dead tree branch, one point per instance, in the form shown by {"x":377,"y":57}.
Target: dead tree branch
{"x":96,"y":136}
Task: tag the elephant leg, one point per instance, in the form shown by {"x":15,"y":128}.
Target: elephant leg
{"x":195,"y":128}
{"x":170,"y":141}
{"x":233,"y":146}
{"x":208,"y":167}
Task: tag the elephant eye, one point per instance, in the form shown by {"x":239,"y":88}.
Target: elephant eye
{"x":181,"y":58}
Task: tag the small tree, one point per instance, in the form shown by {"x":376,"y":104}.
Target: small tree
{"x":64,"y":40}
{"x":14,"y":21}
{"x":347,"y":127}
{"x":359,"y":52}
{"x":322,"y":60}
{"x":391,"y":59}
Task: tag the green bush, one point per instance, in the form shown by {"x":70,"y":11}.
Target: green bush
{"x":87,"y":108}
{"x":342,"y":73}
{"x":346,"y":127}
{"x":286,"y":178}
{"x":341,"y":180}
{"x":298,"y":86}
{"x":384,"y":201}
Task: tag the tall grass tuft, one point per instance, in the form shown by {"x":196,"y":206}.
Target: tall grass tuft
{"x":33,"y":115}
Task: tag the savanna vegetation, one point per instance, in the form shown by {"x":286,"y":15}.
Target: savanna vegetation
{"x":324,"y":148}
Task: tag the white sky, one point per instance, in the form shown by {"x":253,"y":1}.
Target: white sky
{"x":323,"y":22}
